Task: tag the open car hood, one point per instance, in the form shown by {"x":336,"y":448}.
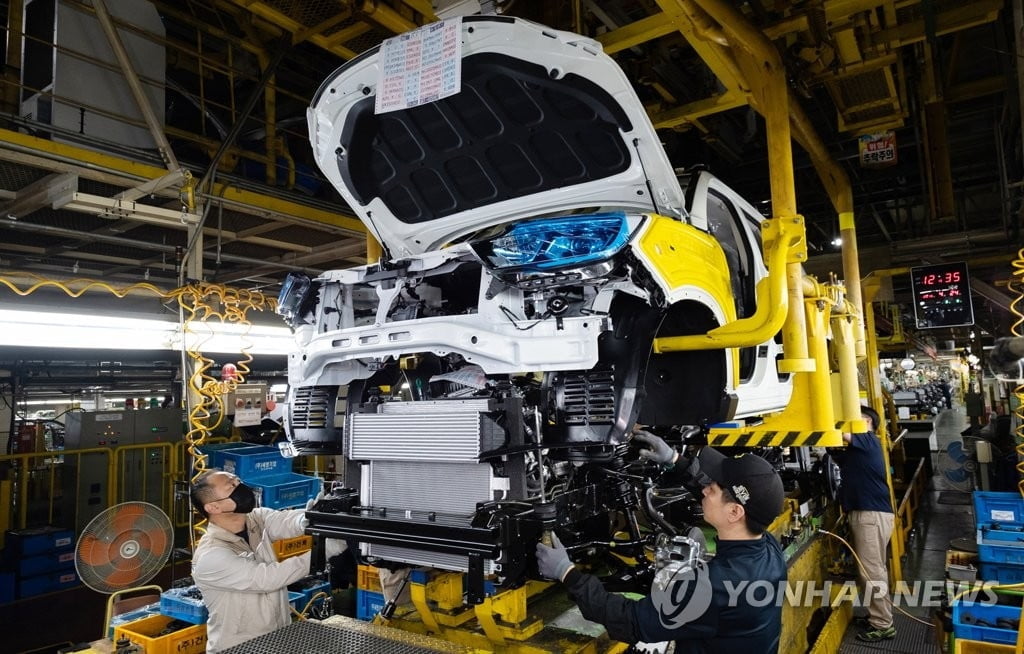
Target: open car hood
{"x":544,"y":123}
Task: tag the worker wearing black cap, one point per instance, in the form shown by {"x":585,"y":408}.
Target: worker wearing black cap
{"x":864,"y":495}
{"x":731,"y":604}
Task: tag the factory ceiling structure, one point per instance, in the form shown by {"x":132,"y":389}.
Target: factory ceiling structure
{"x":164,"y":141}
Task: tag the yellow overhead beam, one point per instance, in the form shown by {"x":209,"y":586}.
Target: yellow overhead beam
{"x":692,"y":111}
{"x":386,"y":17}
{"x":345,"y":34}
{"x":319,"y":28}
{"x":964,"y":16}
{"x":424,"y":7}
{"x":97,"y":165}
{"x":641,"y":31}
{"x":707,"y":42}
{"x":788,"y":25}
{"x":836,"y":10}
{"x":282,"y":21}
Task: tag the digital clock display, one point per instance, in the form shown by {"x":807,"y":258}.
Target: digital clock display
{"x":942,"y":295}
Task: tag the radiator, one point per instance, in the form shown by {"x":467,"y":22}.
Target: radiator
{"x":442,"y":431}
{"x":423,"y":456}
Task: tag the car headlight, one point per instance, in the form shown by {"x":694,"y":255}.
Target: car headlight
{"x":296,"y":292}
{"x":554,"y":243}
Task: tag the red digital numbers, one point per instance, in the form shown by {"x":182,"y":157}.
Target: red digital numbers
{"x":931,"y":279}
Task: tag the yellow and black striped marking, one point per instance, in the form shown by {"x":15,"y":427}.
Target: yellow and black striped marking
{"x":747,"y":437}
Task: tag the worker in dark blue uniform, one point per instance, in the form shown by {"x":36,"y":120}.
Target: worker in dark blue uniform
{"x":865,"y":498}
{"x":734,"y":603}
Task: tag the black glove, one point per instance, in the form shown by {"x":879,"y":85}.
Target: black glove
{"x":659,"y":451}
{"x":553,"y":562}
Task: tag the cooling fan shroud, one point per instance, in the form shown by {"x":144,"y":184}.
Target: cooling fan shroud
{"x":123,"y":547}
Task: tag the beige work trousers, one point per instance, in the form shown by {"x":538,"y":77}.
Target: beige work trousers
{"x":871,"y":531}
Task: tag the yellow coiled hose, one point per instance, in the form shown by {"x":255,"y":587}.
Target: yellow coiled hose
{"x":1017,"y":329}
{"x":199,"y":303}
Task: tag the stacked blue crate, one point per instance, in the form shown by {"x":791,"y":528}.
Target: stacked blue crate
{"x":184,"y":604}
{"x":368,"y":604}
{"x":270,"y":475}
{"x":999,"y":519}
{"x":7,"y":586}
{"x":302,"y":592}
{"x":41,"y":559}
{"x":215,"y":451}
{"x":987,"y":623}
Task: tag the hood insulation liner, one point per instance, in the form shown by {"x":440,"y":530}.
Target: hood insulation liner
{"x":512,"y":131}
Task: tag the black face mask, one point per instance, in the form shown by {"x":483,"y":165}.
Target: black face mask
{"x":244,"y":499}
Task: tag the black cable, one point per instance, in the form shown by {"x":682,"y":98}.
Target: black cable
{"x":513,"y":318}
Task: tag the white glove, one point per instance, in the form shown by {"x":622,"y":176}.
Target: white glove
{"x":319,"y":496}
{"x":333,"y":547}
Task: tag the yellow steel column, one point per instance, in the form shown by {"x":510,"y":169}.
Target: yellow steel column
{"x":845,"y":347}
{"x":898,"y":545}
{"x":851,"y":275}
{"x":840,"y":192}
{"x":764,"y":71}
{"x":812,"y":383}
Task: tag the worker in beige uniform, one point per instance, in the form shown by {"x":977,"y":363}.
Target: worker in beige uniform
{"x":244,"y":586}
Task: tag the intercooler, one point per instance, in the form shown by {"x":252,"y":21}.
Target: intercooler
{"x":424,"y":457}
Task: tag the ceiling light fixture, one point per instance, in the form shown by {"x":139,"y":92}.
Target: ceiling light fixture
{"x":85,"y":331}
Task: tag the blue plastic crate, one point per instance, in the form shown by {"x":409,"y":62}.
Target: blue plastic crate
{"x":368,"y":604}
{"x":46,"y":583}
{"x":1003,"y":509}
{"x":998,"y":550}
{"x":175,"y":604}
{"x":6,"y":587}
{"x":257,"y":462}
{"x":294,"y":599}
{"x":286,"y":491}
{"x":988,"y":613}
{"x":39,"y":540}
{"x":1004,"y":573}
{"x":1002,"y":535}
{"x":307,"y":588}
{"x":215,"y":451}
{"x":44,"y":563}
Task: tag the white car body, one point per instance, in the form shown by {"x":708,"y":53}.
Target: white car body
{"x":562,"y":151}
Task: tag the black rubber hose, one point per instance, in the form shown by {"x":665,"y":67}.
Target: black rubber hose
{"x":653,"y":513}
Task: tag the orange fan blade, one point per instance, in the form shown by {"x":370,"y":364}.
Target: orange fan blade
{"x":123,"y":578}
{"x":155,"y":541}
{"x":93,"y":551}
{"x":126,"y":517}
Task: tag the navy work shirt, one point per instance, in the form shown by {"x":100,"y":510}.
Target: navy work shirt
{"x":864,"y":487}
{"x":740,"y":617}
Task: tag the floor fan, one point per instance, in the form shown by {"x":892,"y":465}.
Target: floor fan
{"x":122,"y":548}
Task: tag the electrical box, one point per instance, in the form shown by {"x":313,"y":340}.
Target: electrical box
{"x":247,"y":404}
{"x":139,"y":475}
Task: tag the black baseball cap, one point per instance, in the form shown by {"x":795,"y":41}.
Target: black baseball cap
{"x":749,"y":478}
